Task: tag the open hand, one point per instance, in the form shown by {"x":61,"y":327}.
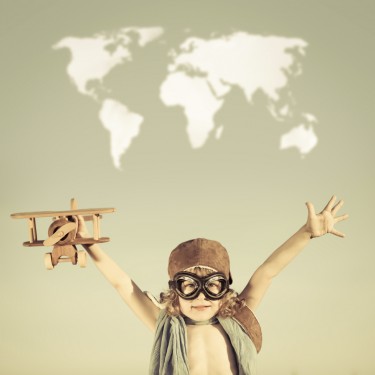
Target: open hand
{"x":320,"y":224}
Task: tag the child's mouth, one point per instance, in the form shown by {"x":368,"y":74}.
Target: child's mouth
{"x":200,"y":308}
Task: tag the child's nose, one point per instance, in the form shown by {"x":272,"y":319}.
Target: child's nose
{"x":201,"y":296}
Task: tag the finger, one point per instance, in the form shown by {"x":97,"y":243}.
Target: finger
{"x":81,"y":220}
{"x":330,"y":204}
{"x":81,"y":225}
{"x":338,"y":205}
{"x":310,"y":209}
{"x":337,"y":233}
{"x":341,"y":218}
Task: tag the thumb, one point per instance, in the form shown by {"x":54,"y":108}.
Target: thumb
{"x":310,"y":209}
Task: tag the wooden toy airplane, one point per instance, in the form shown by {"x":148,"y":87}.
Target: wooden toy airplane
{"x":62,"y":233}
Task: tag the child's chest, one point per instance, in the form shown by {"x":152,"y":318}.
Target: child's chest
{"x":210,"y":351}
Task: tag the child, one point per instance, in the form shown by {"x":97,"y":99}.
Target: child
{"x":202,"y":326}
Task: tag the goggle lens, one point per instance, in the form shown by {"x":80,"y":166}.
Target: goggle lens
{"x":187,"y":286}
{"x":215,"y":285}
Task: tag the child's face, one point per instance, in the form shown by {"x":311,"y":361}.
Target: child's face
{"x":202,"y":307}
{"x":199,"y":309}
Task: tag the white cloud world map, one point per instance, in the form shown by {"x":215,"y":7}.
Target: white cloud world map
{"x":199,"y":77}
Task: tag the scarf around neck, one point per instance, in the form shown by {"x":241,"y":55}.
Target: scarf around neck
{"x":169,"y":351}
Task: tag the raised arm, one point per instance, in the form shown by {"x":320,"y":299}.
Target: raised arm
{"x":317,"y":225}
{"x":128,"y":290}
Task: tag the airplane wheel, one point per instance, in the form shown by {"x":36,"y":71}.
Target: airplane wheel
{"x":82,"y":258}
{"x":48,"y":261}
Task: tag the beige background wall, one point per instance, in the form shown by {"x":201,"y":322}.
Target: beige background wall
{"x":317,"y":318}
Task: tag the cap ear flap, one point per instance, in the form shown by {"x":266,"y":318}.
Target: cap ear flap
{"x":230,"y":279}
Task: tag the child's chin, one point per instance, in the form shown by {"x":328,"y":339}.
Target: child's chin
{"x":201,"y":313}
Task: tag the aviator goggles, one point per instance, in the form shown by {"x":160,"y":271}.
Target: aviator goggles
{"x":188,"y":285}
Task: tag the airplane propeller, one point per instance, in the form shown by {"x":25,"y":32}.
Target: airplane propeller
{"x":60,"y":233}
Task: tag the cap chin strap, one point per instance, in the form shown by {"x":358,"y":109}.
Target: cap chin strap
{"x":192,"y":322}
